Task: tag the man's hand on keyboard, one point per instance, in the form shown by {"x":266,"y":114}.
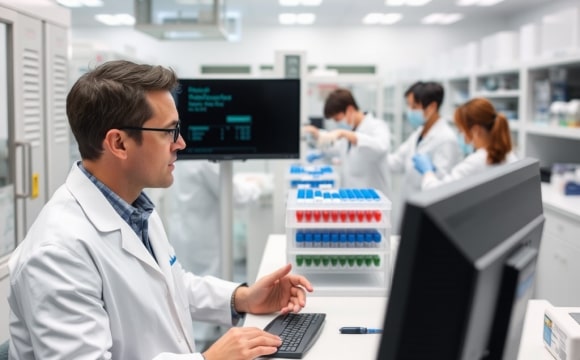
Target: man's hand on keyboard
{"x":243,"y":344}
{"x":278,"y":291}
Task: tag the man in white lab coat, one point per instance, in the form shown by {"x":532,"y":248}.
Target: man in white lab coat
{"x":95,"y":277}
{"x":433,"y":136}
{"x":361,"y":143}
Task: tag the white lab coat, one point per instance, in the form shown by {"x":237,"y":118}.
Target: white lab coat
{"x":192,"y":210}
{"x":474,"y":164}
{"x":364,"y":165}
{"x":83,"y":286}
{"x":440,"y":144}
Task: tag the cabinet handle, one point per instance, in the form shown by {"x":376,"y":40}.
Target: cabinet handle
{"x":26,"y":169}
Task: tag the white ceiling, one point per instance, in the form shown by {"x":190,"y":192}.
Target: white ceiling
{"x":330,"y":13}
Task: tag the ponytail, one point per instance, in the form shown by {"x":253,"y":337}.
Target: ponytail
{"x":500,"y":140}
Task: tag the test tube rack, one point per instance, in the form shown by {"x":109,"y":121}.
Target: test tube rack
{"x":339,"y":239}
{"x":312,"y":177}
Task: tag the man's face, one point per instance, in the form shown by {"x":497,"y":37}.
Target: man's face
{"x":152,"y":162}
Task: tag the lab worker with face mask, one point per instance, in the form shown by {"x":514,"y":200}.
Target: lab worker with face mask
{"x":433,"y":136}
{"x":361,"y":143}
{"x":484,"y":137}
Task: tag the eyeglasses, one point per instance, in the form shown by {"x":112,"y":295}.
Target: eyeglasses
{"x":175,"y":130}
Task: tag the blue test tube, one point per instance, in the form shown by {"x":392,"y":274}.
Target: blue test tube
{"x":360,"y":239}
{"x":342,"y":239}
{"x":299,"y":239}
{"x":308,"y":240}
{"x":369,"y":241}
{"x":351,"y":240}
{"x":334,"y":240}
{"x":325,"y":240}
{"x":317,"y":239}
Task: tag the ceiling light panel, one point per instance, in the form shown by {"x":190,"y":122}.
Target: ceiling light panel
{"x":92,"y":3}
{"x":418,"y":2}
{"x":450,"y":19}
{"x":305,"y":18}
{"x":80,"y":3}
{"x":391,"y":18}
{"x":467,"y":2}
{"x":489,"y":2}
{"x":372,"y":19}
{"x":406,"y":2}
{"x":300,"y":19}
{"x":432,"y":18}
{"x":383,"y":19}
{"x":311,"y":2}
{"x":115,"y":19}
{"x":441,"y":19}
{"x":478,"y":2}
{"x":300,"y":2}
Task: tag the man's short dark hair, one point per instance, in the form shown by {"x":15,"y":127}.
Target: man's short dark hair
{"x":413,"y":88}
{"x":111,"y":96}
{"x":429,"y":92}
{"x":337,"y":102}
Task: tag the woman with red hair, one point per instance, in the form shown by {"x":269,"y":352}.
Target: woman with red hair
{"x":485,"y":136}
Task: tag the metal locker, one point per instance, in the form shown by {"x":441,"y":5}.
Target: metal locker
{"x":28,"y":70}
{"x":56,"y":123}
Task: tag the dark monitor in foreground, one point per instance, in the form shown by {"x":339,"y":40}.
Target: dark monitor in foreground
{"x":465,"y":268}
{"x":228,"y":119}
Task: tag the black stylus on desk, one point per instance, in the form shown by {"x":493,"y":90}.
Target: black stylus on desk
{"x":359,"y":330}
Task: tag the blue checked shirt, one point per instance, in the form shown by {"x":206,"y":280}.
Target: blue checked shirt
{"x":136,"y":214}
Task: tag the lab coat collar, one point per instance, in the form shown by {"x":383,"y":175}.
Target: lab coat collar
{"x":435,"y":130}
{"x":103,"y":217}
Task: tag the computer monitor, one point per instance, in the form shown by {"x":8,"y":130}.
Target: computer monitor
{"x":465,"y":267}
{"x":229,"y":119}
{"x":317,"y":121}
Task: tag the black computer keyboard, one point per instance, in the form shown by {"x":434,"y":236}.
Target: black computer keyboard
{"x":297,"y":331}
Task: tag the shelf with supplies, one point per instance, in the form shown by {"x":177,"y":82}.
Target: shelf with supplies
{"x":553,"y":131}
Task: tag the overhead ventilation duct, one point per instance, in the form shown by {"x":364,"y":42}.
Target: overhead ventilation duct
{"x":187,"y":20}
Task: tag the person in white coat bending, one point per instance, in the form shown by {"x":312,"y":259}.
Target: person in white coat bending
{"x":96,"y":277}
{"x":433,"y":136}
{"x":361,"y":142}
{"x":481,"y":128}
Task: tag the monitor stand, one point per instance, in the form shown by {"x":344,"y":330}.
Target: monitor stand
{"x":226,"y":219}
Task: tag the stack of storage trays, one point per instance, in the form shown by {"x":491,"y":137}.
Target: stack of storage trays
{"x":312,"y":176}
{"x":340,"y":240}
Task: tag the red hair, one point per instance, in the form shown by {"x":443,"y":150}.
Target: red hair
{"x":480,"y":111}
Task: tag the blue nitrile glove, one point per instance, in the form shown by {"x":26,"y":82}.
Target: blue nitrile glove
{"x":423,"y":164}
{"x":312,"y":157}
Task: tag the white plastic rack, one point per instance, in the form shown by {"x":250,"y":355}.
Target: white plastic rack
{"x":312,"y":176}
{"x":339,"y":239}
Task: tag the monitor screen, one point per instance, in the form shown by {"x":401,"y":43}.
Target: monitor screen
{"x":465,"y":267}
{"x":228,"y":119}
{"x":317,"y":121}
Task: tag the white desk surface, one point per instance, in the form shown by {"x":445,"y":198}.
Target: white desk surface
{"x":369,"y":312}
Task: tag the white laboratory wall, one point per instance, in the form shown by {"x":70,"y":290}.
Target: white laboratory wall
{"x":534,"y":14}
{"x":388,"y":48}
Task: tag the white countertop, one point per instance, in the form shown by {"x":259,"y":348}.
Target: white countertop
{"x":565,"y":204}
{"x":369,"y":312}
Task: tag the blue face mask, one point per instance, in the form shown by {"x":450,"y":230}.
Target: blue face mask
{"x":342,"y":124}
{"x":466,"y":148}
{"x":415,"y":117}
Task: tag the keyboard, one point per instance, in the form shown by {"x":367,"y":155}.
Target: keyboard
{"x":297,"y":331}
